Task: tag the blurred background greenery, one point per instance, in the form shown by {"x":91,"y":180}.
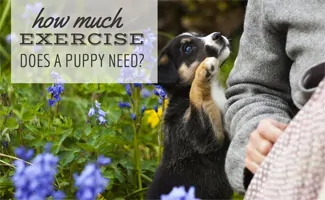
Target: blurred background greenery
{"x":26,"y":119}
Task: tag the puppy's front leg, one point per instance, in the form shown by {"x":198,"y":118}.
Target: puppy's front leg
{"x":201,"y":96}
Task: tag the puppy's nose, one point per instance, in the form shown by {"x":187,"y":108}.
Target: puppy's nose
{"x":216,"y":36}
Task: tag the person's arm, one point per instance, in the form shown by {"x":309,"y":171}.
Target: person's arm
{"x":258,"y":86}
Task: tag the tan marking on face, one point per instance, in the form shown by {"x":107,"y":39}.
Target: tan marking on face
{"x":186,"y":40}
{"x":187,"y":73}
{"x":163,"y":60}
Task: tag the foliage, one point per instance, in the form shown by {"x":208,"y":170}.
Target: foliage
{"x":32,"y":115}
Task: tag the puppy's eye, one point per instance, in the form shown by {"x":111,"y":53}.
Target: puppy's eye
{"x":188,"y":48}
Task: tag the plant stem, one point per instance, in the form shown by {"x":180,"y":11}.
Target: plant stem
{"x":8,"y":164}
{"x":4,"y":14}
{"x":12,"y":157}
{"x":136,"y":102}
{"x":160,"y":134}
{"x":4,"y":52}
{"x":136,"y":192}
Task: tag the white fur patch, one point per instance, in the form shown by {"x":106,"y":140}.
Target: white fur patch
{"x":212,"y":61}
{"x":218,"y":95}
{"x":225,"y":52}
{"x":217,"y":91}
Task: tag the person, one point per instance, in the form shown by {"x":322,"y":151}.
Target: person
{"x":281,"y":41}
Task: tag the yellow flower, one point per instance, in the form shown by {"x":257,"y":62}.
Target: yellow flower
{"x":153,"y":116}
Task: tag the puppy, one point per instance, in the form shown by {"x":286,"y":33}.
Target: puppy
{"x":195,"y":144}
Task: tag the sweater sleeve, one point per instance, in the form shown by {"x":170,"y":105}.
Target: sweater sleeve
{"x":258,"y":86}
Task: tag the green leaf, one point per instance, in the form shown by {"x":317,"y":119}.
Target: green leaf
{"x":88,"y":130}
{"x":31,"y":128}
{"x":66,"y":157}
{"x":28,"y":115}
{"x":12,"y":124}
{"x":86,"y":147}
{"x":63,"y":137}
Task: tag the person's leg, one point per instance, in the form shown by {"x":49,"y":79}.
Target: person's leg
{"x":295,"y":167}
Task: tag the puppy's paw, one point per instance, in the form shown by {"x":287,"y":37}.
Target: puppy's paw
{"x":208,"y":68}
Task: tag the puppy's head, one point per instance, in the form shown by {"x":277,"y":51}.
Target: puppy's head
{"x":180,"y":58}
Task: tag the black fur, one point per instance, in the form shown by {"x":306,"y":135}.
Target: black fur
{"x":192,"y":155}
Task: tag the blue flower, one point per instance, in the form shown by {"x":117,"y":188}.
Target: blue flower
{"x":56,"y":89}
{"x":156,"y":108}
{"x":133,"y":117}
{"x":145,"y":93}
{"x":90,"y":182}
{"x":35,"y":181}
{"x":179,"y":193}
{"x":91,"y":112}
{"x":101,"y":113}
{"x":102,"y":161}
{"x":98,"y":112}
{"x":160,"y":92}
{"x":124,"y":105}
{"x":5,"y":144}
{"x":128,"y":89}
{"x":25,"y":154}
{"x":97,"y":104}
{"x":101,"y":120}
{"x":160,"y":101}
{"x":138,"y":85}
{"x":143,"y":109}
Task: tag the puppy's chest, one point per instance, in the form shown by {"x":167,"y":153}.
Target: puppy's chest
{"x":218,"y":95}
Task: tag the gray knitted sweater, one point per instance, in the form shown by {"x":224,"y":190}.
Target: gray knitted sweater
{"x":282,"y":40}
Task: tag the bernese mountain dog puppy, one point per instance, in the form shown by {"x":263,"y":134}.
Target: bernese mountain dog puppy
{"x":195,"y":143}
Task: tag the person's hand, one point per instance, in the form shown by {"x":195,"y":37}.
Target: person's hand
{"x":261,"y":141}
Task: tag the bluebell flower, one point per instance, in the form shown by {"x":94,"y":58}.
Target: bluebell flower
{"x":137,"y":85}
{"x":143,"y":109}
{"x":160,"y":92}
{"x":91,"y":112}
{"x":160,"y":101}
{"x":5,"y":144}
{"x":101,"y":113}
{"x":97,"y":104}
{"x":179,"y":193}
{"x":35,"y":181}
{"x":90,"y":182}
{"x":102,"y":161}
{"x":128,"y":89}
{"x":133,"y":117}
{"x":145,"y":93}
{"x":101,"y":120}
{"x":124,"y":105}
{"x":25,"y":154}
{"x":156,"y":108}
{"x":98,"y":112}
{"x":56,"y":89}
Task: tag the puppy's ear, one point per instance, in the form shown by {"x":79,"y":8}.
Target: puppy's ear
{"x":167,"y":72}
